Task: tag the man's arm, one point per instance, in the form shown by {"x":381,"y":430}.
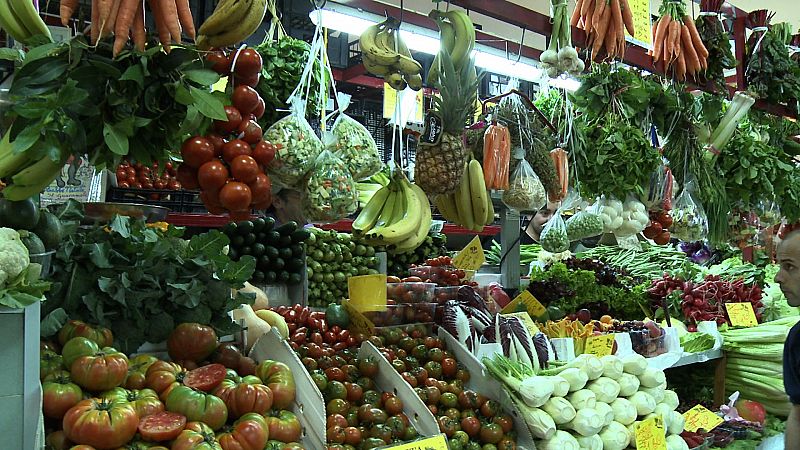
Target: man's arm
{"x":792,"y":436}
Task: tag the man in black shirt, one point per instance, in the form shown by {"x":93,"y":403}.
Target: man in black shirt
{"x":789,"y":279}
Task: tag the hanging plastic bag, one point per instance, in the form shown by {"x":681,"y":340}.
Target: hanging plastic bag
{"x":689,"y":221}
{"x":585,"y":223}
{"x":610,"y":213}
{"x":297,"y":147}
{"x":330,"y":190}
{"x":525,"y":192}
{"x":355,"y":145}
{"x":561,"y":163}
{"x":634,"y":218}
{"x":769,"y":213}
{"x":554,"y":238}
{"x":496,"y":156}
{"x":660,"y":192}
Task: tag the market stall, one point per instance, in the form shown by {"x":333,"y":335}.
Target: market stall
{"x":207,"y":243}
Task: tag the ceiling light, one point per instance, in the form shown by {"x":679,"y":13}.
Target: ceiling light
{"x":568,"y":84}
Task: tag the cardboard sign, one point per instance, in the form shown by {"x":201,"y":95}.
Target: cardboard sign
{"x":434,"y":125}
{"x":529,"y":324}
{"x":741,"y":314}
{"x":650,"y":434}
{"x":471,"y":257}
{"x":358,"y":323}
{"x":437,"y":442}
{"x":525,"y":301}
{"x":600,"y":346}
{"x":642,"y":27}
{"x":367,"y":292}
{"x":701,"y":417}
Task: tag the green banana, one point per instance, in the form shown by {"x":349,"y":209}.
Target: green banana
{"x":38,"y":171}
{"x":252,"y":20}
{"x":477,"y":187}
{"x":445,"y":205}
{"x":464,"y":203}
{"x":10,"y":162}
{"x":226,"y":16}
{"x":10,"y":23}
{"x":28,"y":17}
{"x":489,"y":211}
{"x":465,"y":36}
{"x":369,"y":215}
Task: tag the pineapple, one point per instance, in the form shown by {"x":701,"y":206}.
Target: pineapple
{"x":439,"y":168}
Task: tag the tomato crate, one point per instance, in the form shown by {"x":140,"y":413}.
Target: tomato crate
{"x":180,"y":201}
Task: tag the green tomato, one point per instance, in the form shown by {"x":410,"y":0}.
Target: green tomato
{"x":198,"y":406}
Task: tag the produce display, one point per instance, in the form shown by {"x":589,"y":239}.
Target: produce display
{"x":560,"y":56}
{"x":677,"y":42}
{"x":278,"y":250}
{"x":138,"y":176}
{"x":434,"y":245}
{"x":605,"y":24}
{"x":384,"y":54}
{"x":331,"y":258}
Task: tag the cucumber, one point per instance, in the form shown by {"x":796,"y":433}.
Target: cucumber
{"x":258,"y":249}
{"x":285,"y":253}
{"x":284,"y":276}
{"x":258,"y":276}
{"x":258,"y":224}
{"x":245,"y":227}
{"x":297,"y":250}
{"x":295,"y":264}
{"x":287,"y":229}
{"x":284,"y":241}
{"x":269,"y":224}
{"x":263,"y":262}
{"x":278,"y":264}
{"x":249,"y":238}
{"x":272,"y":252}
{"x":273,"y":238}
{"x":294,"y":278}
{"x":237,"y":241}
{"x":270,"y":276}
{"x":233,"y":254}
{"x":300,"y":235}
{"x":229,"y":229}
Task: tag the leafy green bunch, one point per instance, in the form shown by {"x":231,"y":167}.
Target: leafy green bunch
{"x":70,"y":98}
{"x":142,"y":280}
{"x":622,"y":92}
{"x":720,"y":57}
{"x":771,"y":74}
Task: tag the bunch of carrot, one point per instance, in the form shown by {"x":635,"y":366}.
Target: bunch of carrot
{"x":125,"y":19}
{"x":561,"y":161}
{"x":677,"y":42}
{"x":496,"y":156}
{"x":605,"y":23}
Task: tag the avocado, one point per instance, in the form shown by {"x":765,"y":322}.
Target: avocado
{"x":19,"y":215}
{"x":49,"y":229}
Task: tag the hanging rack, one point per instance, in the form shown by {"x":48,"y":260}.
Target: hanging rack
{"x":527,"y":100}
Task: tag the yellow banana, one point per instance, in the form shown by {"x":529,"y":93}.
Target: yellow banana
{"x":414,"y":81}
{"x":408,"y":66}
{"x":274,"y":320}
{"x":374,"y":67}
{"x":406,"y":226}
{"x":477,"y":187}
{"x":447,"y":35}
{"x":371,"y":212}
{"x":386,"y":212}
{"x":419,"y":235}
{"x":226,"y":16}
{"x":446,"y":208}
{"x":252,"y":20}
{"x":370,"y":46}
{"x":464,"y":203}
{"x":396,"y":81}
{"x":465,"y":36}
{"x":489,"y":211}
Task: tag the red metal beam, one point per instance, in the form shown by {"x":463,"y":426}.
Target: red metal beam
{"x":360,"y":79}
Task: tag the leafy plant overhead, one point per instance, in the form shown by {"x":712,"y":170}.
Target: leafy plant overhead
{"x":717,"y":41}
{"x":70,"y":98}
{"x":606,"y":90}
{"x":770,"y":73}
{"x":143,"y":280}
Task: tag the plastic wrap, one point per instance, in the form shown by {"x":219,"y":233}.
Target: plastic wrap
{"x":689,"y":220}
{"x":496,"y":156}
{"x":660,"y":193}
{"x":585,"y":223}
{"x":561,"y":162}
{"x":356,"y":147}
{"x":330,"y":190}
{"x":298,"y":147}
{"x":554,"y":237}
{"x":525,"y":192}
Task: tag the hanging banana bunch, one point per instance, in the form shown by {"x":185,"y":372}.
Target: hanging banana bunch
{"x":385,"y":55}
{"x":20,"y":20}
{"x":470,"y":205}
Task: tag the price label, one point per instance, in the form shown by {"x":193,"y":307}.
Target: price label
{"x":650,"y":434}
{"x":358,"y":323}
{"x":529,"y":324}
{"x":471,"y":257}
{"x":602,"y":345}
{"x":390,"y":98}
{"x":367,"y":292}
{"x":437,"y":442}
{"x":525,"y":301}
{"x":642,"y":27}
{"x":741,"y":314}
{"x":701,"y":417}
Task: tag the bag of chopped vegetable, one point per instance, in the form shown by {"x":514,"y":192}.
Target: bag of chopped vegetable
{"x":554,"y":238}
{"x":689,"y":220}
{"x":297,"y":147}
{"x":525,"y":192}
{"x":585,"y":223}
{"x":355,"y":145}
{"x":330,"y":190}
{"x":660,"y":192}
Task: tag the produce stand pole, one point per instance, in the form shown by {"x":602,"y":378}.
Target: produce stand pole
{"x":719,"y":380}
{"x":509,"y":245}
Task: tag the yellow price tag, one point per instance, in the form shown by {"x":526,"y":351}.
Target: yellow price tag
{"x":358,"y":323}
{"x":741,"y":314}
{"x":602,"y":345}
{"x":390,"y":96}
{"x":643,"y":29}
{"x":525,"y":301}
{"x":529,"y":324}
{"x":471,"y":257}
{"x":437,"y":442}
{"x":701,"y":417}
{"x":650,"y":434}
{"x":367,"y":292}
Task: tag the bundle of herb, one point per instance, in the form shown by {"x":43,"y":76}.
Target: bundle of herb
{"x":771,"y":74}
{"x":143,"y":281}
{"x":608,"y":91}
{"x":717,"y":41}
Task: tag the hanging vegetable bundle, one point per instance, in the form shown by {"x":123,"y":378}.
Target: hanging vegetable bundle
{"x":771,"y":74}
{"x":717,"y":41}
{"x":677,"y":42}
{"x":560,"y":56}
{"x":605,"y":23}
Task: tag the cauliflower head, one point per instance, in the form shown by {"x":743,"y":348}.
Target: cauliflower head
{"x":14,"y":257}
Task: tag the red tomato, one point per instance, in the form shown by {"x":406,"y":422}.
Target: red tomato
{"x":250,"y":131}
{"x":247,"y":63}
{"x":247,"y":396}
{"x":102,"y":371}
{"x":352,"y":436}
{"x":101,"y":424}
{"x":261,"y":189}
{"x":249,"y":432}
{"x":260,"y":109}
{"x":235,"y":196}
{"x":220,"y":62}
{"x":197,"y":151}
{"x":187,"y":176}
{"x":205,"y":378}
{"x":235,"y":148}
{"x":264,"y":153}
{"x":393,"y":406}
{"x":245,"y":169}
{"x":505,"y":421}
{"x":251,"y":81}
{"x":211,"y":201}
{"x":217,"y":141}
{"x":491,"y":433}
{"x":225,"y":127}
{"x":245,"y":99}
{"x":212,"y":175}
{"x":335,"y":374}
{"x":163,"y":426}
{"x":471,"y":426}
{"x":191,"y":341}
{"x":280,"y":380}
{"x":59,"y":394}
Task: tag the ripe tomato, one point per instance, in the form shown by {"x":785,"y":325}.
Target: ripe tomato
{"x":100,"y":423}
{"x":196,"y":435}
{"x":163,"y":426}
{"x":251,"y":81}
{"x":248,"y":63}
{"x":251,"y":131}
{"x":264,"y":153}
{"x":57,"y":440}
{"x":211,"y":201}
{"x":197,"y":151}
{"x":217,"y":141}
{"x":245,"y":99}
{"x":187,"y":176}
{"x":234,"y":148}
{"x":235,"y":196}
{"x":212,"y":175}
{"x":59,"y":394}
{"x":284,"y":426}
{"x":245,"y":169}
{"x":249,"y":432}
{"x":505,"y":421}
{"x":220,"y":62}
{"x":352,"y":436}
{"x":191,"y":341}
{"x":393,"y":406}
{"x":101,"y":371}
{"x":260,"y":109}
{"x":244,"y":397}
{"x":205,"y":378}
{"x":225,"y":127}
{"x":491,"y":433}
{"x":76,"y":328}
{"x":280,"y":380}
{"x":261,"y":189}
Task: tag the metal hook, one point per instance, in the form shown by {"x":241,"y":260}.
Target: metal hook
{"x":402,"y":10}
{"x":319,"y":4}
{"x":521,"y":41}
